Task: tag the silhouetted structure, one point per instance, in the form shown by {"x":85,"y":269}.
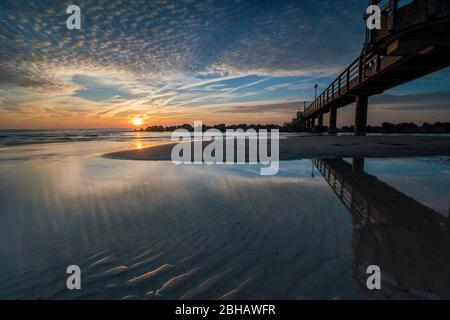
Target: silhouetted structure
{"x":414,"y":41}
{"x":408,"y":240}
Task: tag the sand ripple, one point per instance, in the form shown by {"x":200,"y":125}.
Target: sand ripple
{"x":150,"y":274}
{"x":101,"y":262}
{"x":116,"y":270}
{"x":173,"y":282}
{"x":233,"y":293}
{"x":205,"y":285}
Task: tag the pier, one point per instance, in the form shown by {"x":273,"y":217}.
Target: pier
{"x":414,"y":40}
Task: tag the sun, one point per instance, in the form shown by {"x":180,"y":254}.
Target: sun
{"x":137,"y":121}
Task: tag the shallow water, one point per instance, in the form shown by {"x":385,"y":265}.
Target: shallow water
{"x":14,"y":137}
{"x":153,"y":230}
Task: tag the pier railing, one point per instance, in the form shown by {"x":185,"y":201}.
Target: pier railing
{"x":397,"y":15}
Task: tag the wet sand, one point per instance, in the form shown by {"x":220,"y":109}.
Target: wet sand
{"x":294,"y":148}
{"x":153,"y":230}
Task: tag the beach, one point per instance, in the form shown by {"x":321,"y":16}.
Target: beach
{"x":154,"y":230}
{"x":292,"y":147}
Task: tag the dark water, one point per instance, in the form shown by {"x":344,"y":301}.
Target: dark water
{"x":12,"y":137}
{"x":220,"y":231}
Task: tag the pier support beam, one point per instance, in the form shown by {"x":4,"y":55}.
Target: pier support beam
{"x":320,"y":124}
{"x":313,"y":123}
{"x":332,"y":130}
{"x":358,"y":166}
{"x":361,"y":115}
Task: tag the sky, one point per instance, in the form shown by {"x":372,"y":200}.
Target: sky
{"x":173,"y":62}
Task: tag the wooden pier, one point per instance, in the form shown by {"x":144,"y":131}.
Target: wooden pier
{"x":414,"y":40}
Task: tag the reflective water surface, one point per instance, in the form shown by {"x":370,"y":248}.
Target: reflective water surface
{"x":213,"y":232}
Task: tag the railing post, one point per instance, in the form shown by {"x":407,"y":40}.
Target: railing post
{"x":393,"y":6}
{"x":339,"y":84}
{"x":370,"y":34}
{"x":378,"y":62}
{"x":360,"y":68}
{"x":348,"y":78}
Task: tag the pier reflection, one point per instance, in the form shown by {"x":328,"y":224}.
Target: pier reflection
{"x":408,"y":240}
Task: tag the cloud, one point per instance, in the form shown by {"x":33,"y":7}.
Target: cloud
{"x":98,"y":89}
{"x":164,"y":37}
{"x":172,"y":58}
{"x":30,"y":78}
{"x":433,"y":101}
{"x":291,"y":107}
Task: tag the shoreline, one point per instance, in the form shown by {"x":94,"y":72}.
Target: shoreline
{"x":295,"y":148}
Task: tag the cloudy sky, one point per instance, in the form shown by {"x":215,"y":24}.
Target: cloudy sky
{"x":171,"y":62}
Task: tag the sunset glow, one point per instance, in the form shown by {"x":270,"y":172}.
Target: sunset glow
{"x":137,"y":121}
{"x":187,"y":67}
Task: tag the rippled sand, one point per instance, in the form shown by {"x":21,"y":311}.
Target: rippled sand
{"x":152,"y":230}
